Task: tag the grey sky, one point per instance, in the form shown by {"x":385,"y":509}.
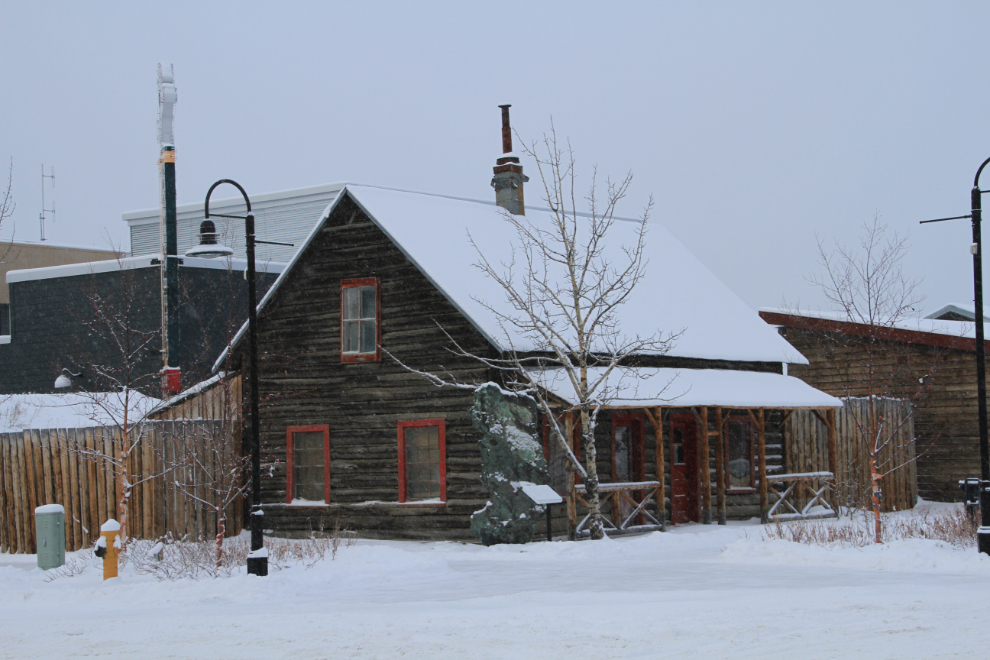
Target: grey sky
{"x":756,"y":126}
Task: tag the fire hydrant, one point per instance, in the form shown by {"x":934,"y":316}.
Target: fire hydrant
{"x":108,"y":547}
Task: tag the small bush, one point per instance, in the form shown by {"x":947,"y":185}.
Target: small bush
{"x":171,"y":559}
{"x":952,"y":526}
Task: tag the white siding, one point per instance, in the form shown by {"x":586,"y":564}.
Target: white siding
{"x":285,"y":217}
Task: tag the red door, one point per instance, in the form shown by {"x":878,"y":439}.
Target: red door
{"x":684,"y":503}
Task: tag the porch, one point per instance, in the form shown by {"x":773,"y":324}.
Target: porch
{"x":710,"y":448}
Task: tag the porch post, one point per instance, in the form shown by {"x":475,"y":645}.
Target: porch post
{"x":833,"y":461}
{"x":761,"y":429}
{"x":661,"y":469}
{"x":719,"y":467}
{"x":706,"y":471}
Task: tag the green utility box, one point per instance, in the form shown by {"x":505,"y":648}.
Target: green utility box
{"x":49,"y":522}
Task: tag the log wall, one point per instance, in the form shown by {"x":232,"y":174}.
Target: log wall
{"x":940,"y":382}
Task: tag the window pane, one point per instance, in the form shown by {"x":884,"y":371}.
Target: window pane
{"x":422,"y":463}
{"x":622,"y":453}
{"x":368,"y":336}
{"x":351,"y":330}
{"x":678,"y":438}
{"x":308,"y":466}
{"x":352,"y":303}
{"x":740,"y":456}
{"x":367,"y":302}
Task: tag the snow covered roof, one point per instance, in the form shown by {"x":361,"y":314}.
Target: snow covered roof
{"x":647,"y":387}
{"x":129,"y":263}
{"x":677,"y":294}
{"x":68,"y":411}
{"x":958,"y":309}
{"x":912,"y":330}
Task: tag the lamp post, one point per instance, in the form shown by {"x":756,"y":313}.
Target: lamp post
{"x":976,"y":215}
{"x":257,"y":563}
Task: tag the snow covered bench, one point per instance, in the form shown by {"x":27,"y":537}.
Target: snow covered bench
{"x":794,"y":481}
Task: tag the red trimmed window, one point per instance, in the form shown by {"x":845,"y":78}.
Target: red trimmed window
{"x":360,"y":320}
{"x":422,"y":462}
{"x":628,"y":447}
{"x":307,"y":452}
{"x":739,"y":463}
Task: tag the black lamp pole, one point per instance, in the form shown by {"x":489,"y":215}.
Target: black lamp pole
{"x":976,"y":204}
{"x":257,"y":563}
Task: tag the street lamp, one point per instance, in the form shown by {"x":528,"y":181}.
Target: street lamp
{"x":257,"y":563}
{"x":976,"y":204}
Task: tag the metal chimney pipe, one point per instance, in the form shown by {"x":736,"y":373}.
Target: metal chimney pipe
{"x":506,"y":130}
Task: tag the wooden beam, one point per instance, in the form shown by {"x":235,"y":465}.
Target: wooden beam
{"x":822,"y":418}
{"x":787,"y":416}
{"x":719,"y":467}
{"x":762,"y":465}
{"x":661,"y":491}
{"x":706,"y":471}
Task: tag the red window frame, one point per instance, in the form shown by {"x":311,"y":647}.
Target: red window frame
{"x":442,"y":446}
{"x":290,"y":486}
{"x":637,"y":442}
{"x":362,"y":357}
{"x":740,"y":419}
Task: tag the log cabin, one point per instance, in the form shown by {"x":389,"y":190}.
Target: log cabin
{"x":384,"y":284}
{"x":931,"y":362}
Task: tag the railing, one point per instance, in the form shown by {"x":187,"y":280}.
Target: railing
{"x":617,"y":521}
{"x":794,"y":484}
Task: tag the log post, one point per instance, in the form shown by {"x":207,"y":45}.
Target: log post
{"x":833,"y":462}
{"x":706,"y":470}
{"x":761,"y":429}
{"x":719,"y":467}
{"x":661,"y":469}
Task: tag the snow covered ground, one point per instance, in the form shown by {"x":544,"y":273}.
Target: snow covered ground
{"x":694,"y":592}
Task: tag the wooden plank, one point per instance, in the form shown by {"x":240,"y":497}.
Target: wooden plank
{"x":706,"y":470}
{"x":7,"y":465}
{"x":19,"y":492}
{"x":61,"y":466}
{"x":36,"y":482}
{"x":147,"y":487}
{"x":4,"y":508}
{"x":101,"y":478}
{"x":93,"y":485}
{"x":86,"y":535}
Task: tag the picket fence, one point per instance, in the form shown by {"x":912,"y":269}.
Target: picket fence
{"x":807,"y":451}
{"x":57,"y":466}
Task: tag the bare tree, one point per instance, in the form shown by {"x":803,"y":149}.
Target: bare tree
{"x":566,"y":283}
{"x":7,"y":207}
{"x":867,"y":285}
{"x":203,"y":457}
{"x":120,"y":380}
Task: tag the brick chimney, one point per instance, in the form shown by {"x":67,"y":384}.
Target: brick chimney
{"x":509,"y":178}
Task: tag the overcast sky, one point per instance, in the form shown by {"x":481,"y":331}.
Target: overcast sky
{"x":756,"y":126}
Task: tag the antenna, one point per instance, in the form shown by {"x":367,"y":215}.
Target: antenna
{"x":41,"y":216}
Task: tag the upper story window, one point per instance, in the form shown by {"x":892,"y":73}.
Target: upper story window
{"x":360,"y":320}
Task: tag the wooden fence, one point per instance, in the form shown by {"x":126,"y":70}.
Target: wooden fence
{"x":61,"y":466}
{"x":807,"y":451}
